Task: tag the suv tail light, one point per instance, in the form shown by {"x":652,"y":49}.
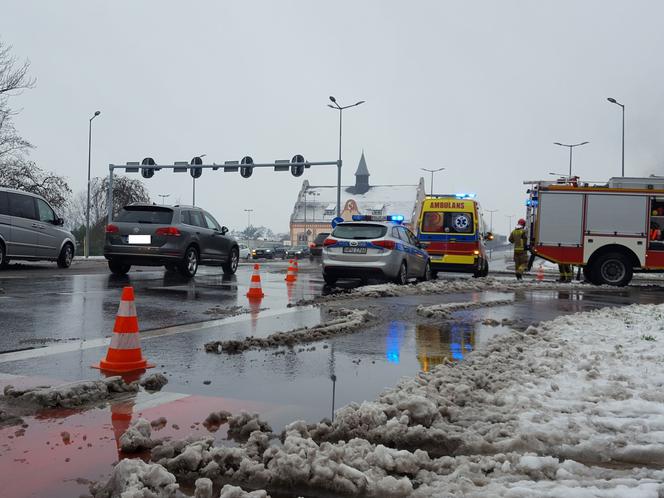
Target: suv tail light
{"x":385,"y":244}
{"x":312,"y":245}
{"x":329,"y":242}
{"x":168,"y":231}
{"x":112,"y":229}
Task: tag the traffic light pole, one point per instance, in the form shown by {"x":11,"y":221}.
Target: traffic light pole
{"x":228,"y":167}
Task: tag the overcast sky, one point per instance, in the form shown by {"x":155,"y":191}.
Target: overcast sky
{"x":480,"y":88}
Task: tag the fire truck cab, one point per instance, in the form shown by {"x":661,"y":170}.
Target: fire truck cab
{"x":610,"y":230}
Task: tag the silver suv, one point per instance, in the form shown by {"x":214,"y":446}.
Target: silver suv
{"x":178,"y":237}
{"x":30,"y":230}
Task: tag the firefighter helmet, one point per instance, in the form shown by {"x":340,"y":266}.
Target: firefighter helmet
{"x":521,"y":222}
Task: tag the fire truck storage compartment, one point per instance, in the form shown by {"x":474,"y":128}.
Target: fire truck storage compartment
{"x":559,"y":220}
{"x":612,"y":214}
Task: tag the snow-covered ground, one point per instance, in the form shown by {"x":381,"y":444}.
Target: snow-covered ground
{"x":571,"y":408}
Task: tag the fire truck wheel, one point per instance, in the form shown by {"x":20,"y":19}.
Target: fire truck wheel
{"x":613,"y":268}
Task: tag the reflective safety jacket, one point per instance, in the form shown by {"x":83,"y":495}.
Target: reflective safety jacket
{"x":518,"y":238}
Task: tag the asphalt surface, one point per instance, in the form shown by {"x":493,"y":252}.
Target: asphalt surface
{"x":55,"y":322}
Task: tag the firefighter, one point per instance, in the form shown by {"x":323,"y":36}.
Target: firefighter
{"x":519,"y":238}
{"x":566,"y":273}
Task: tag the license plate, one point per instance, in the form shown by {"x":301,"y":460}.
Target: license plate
{"x":355,"y":250}
{"x":140,"y":239}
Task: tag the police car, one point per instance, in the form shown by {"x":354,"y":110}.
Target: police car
{"x":374,"y":247}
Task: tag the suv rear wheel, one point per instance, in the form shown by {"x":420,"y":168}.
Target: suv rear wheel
{"x":189,"y":265}
{"x":66,"y":256}
{"x":231,"y":265}
{"x":329,"y":279}
{"x":427,"y":273}
{"x":118,"y":267}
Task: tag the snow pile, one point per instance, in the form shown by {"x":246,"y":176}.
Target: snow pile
{"x":154,"y":382}
{"x":446,"y":286}
{"x":72,"y":394}
{"x":344,"y":322}
{"x":445,"y":310}
{"x":137,"y":479}
{"x":229,"y":491}
{"x":241,"y":426}
{"x":572,"y":407}
{"x":215,"y":419}
{"x":137,"y":437}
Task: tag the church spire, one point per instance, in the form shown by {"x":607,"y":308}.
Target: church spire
{"x":362,"y":176}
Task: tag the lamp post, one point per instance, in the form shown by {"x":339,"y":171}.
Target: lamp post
{"x":163,"y":198}
{"x":248,"y":211}
{"x":432,"y":171}
{"x":510,"y":216}
{"x":491,"y":211}
{"x":87,"y":208}
{"x":571,"y":146}
{"x":614,"y":101}
{"x":340,"y":108}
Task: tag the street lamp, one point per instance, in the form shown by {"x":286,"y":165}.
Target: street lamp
{"x":163,"y":198}
{"x":491,"y":211}
{"x":614,"y":101}
{"x":571,"y":146}
{"x":340,"y":108}
{"x":248,"y":211}
{"x":87,"y":209}
{"x":432,"y":171}
{"x":510,"y":216}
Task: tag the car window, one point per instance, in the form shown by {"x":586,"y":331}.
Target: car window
{"x":211,"y":222}
{"x":46,"y":214}
{"x":197,"y":219}
{"x":154,"y":215}
{"x":22,"y":206}
{"x":359,"y":231}
{"x":4,"y":203}
{"x":403,"y":235}
{"x":447,"y":222}
{"x":186,"y":219}
{"x":411,"y":237}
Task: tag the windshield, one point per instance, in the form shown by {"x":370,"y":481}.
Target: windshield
{"x":359,"y":231}
{"x":447,"y":222}
{"x":145,"y":214}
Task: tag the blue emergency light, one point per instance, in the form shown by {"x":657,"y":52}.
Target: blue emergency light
{"x":395,"y":218}
{"x":464,"y":196}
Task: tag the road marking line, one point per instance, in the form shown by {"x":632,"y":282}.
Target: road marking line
{"x":147,"y":335}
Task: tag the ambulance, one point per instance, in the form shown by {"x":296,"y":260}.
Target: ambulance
{"x":452,"y":230}
{"x":610,"y":230}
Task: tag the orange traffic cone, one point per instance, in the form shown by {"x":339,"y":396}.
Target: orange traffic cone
{"x":121,"y":414}
{"x":540,"y":273}
{"x":255,"y":289}
{"x":295,"y":266}
{"x":290,"y":276}
{"x":124,"y":354}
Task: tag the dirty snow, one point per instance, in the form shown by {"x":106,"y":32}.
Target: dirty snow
{"x":71,"y":394}
{"x":137,"y":437}
{"x":241,"y":426}
{"x":154,"y":382}
{"x":137,"y":479}
{"x":572,"y":407}
{"x":343,"y":321}
{"x":445,"y":310}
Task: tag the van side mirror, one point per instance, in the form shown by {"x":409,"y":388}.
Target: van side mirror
{"x":489,"y":236}
{"x":224,"y":230}
{"x":58,"y":222}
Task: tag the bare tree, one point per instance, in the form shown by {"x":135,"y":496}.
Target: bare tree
{"x":27,"y":176}
{"x":14,"y":79}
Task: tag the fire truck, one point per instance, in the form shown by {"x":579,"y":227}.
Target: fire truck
{"x":611,"y":230}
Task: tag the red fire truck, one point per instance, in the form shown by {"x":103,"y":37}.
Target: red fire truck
{"x":610,"y":230}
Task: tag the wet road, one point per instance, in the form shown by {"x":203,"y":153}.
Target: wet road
{"x":306,"y":382}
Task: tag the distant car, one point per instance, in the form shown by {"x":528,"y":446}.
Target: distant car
{"x":262,"y":253}
{"x":178,"y":237}
{"x":316,"y":247}
{"x":297,"y":252}
{"x":30,"y":230}
{"x":279,"y":252}
{"x":373,"y":246}
{"x":245,"y":252}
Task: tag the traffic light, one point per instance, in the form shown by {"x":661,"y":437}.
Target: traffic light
{"x":147,"y":172}
{"x":246,"y":170}
{"x":196,"y":172}
{"x":297,"y":169}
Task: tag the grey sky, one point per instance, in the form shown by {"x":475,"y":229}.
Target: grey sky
{"x":481,"y":88}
